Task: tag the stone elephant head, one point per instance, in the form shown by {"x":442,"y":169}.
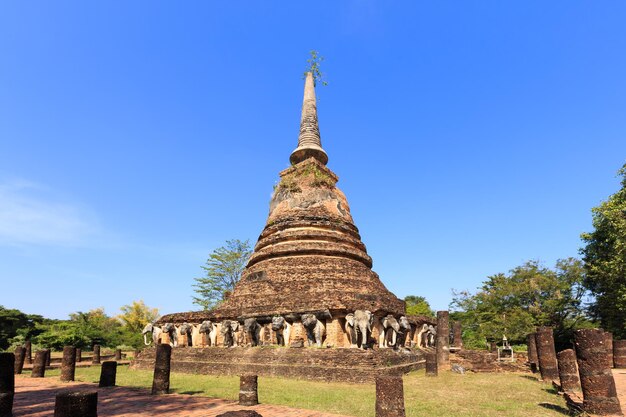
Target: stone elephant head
{"x":186,"y":329}
{"x":432,"y":336}
{"x":315,"y":329}
{"x":280,"y":326}
{"x":170,"y":329}
{"x":154,"y":332}
{"x":208,"y":331}
{"x":253,"y":330}
{"x":391,"y":328}
{"x":405,"y":330}
{"x":359,"y":327}
{"x":229,"y":327}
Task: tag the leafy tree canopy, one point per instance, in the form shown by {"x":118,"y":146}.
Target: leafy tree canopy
{"x":222,"y":271}
{"x":417,"y":305}
{"x":16,"y":323}
{"x":313,"y":66}
{"x":136,"y":315}
{"x":605,"y":261}
{"x":514,"y":304}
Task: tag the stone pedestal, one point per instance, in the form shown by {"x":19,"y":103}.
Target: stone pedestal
{"x":596,"y":379}
{"x":546,"y":353}
{"x":39,"y":364}
{"x":619,"y":353}
{"x":20,"y":356}
{"x":458,"y":334}
{"x":248,"y":390}
{"x":161,"y":380}
{"x":390,"y":396}
{"x":443,"y":340}
{"x":108,"y":374}
{"x":96,"y":354}
{"x":431,"y":364}
{"x":68,"y":364}
{"x":568,"y":371}
{"x":533,"y":360}
{"x":76,"y":403}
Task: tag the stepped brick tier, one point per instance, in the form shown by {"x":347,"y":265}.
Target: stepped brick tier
{"x":347,"y":365}
{"x":308,"y":281}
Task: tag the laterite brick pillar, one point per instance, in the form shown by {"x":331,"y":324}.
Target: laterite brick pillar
{"x":68,"y":364}
{"x":29,"y":352}
{"x":39,"y":364}
{"x":108,"y":374}
{"x":165,"y":338}
{"x":609,"y":348}
{"x":596,"y":379}
{"x":443,"y":340}
{"x":546,"y":353}
{"x":79,"y":355}
{"x":118,"y":354}
{"x":248,"y":390}
{"x":390,"y":396}
{"x":533,"y":360}
{"x":335,"y":334}
{"x":161,"y":379}
{"x":76,"y":403}
{"x":20,"y":356}
{"x":568,"y":371}
{"x":7,"y":383}
{"x":457,"y":330}
{"x":96,"y":354}
{"x":619,"y":353}
{"x":431,"y":364}
{"x":48,"y":357}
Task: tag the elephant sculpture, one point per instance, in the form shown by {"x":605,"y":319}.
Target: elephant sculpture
{"x":229,"y":329}
{"x":359,"y":327}
{"x":253,"y":331}
{"x":315,"y":329}
{"x":405,"y":330}
{"x":155,"y":332}
{"x":282,"y":329}
{"x":431,"y":337}
{"x":208,"y":328}
{"x":186,"y":330}
{"x":170,"y":330}
{"x":422,"y":336}
{"x":391,"y":328}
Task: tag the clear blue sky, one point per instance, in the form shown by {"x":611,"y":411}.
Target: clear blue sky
{"x":136,"y":137}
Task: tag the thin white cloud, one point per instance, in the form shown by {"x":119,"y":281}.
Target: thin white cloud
{"x":32,"y":214}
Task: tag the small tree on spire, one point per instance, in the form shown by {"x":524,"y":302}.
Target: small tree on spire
{"x":313,"y":66}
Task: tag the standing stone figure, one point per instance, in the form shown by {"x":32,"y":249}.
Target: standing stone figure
{"x":443,"y":340}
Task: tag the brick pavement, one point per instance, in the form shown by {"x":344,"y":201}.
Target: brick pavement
{"x":34,"y":397}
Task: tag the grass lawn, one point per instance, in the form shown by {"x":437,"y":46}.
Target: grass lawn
{"x":449,"y":394}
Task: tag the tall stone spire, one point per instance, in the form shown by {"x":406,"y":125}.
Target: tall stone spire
{"x":309,"y":141}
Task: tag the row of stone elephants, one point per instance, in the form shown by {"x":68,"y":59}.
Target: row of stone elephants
{"x":359,"y":327}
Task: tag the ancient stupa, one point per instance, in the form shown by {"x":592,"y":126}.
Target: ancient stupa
{"x":309,"y":257}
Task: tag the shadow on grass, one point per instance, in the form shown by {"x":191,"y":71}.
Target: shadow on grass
{"x":186,"y":392}
{"x":551,"y":390}
{"x":531,"y":377}
{"x":557,"y":408}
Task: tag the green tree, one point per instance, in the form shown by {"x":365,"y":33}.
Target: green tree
{"x":136,"y":315}
{"x":222,"y":270}
{"x":313,"y":66}
{"x":605,"y":261}
{"x":14,"y":323}
{"x":417,"y":305}
{"x":514,"y":304}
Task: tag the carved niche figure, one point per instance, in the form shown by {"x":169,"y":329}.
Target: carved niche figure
{"x":359,"y":327}
{"x":155,"y":332}
{"x":170,"y":330}
{"x":186,"y":330}
{"x":229,"y":329}
{"x":209,"y":329}
{"x":253,"y":330}
{"x":281,"y":328}
{"x":315,"y":329}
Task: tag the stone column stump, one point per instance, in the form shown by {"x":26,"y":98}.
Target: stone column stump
{"x":457,"y":330}
{"x":596,"y":379}
{"x":568,"y":371}
{"x":546,"y":353}
{"x":248,"y":390}
{"x":108,"y":374}
{"x":533,"y":360}
{"x":76,"y":403}
{"x":68,"y":364}
{"x":161,"y":379}
{"x":39,"y":364}
{"x":118,"y":354}
{"x":6,"y":404}
{"x":619,"y":353}
{"x":96,"y":355}
{"x":390,"y":396}
{"x":79,"y":355}
{"x":431,"y":364}
{"x":609,"y":347}
{"x":48,"y":357}
{"x":20,"y":356}
{"x":29,"y":353}
{"x":443,"y":340}
{"x":7,"y":383}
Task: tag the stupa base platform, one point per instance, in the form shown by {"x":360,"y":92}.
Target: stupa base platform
{"x":342,"y":365}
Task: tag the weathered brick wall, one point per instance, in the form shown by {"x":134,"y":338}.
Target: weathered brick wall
{"x":348,"y":365}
